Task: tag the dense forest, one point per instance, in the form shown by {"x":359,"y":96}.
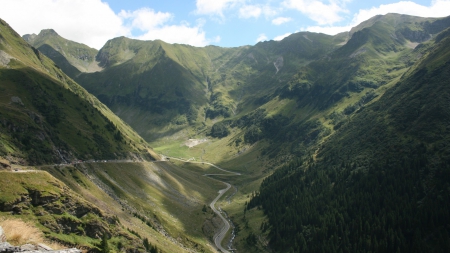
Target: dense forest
{"x":387,"y":208}
{"x":381,"y":183}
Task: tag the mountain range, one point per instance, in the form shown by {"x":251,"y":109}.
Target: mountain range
{"x":341,"y":140}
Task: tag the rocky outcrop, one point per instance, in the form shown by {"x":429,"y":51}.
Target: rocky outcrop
{"x":415,"y":36}
{"x":5,"y":59}
{"x":4,"y":164}
{"x":279,"y":63}
{"x":61,"y":210}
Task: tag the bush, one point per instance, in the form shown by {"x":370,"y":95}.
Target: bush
{"x":219,"y":130}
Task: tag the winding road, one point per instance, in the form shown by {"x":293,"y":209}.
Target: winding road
{"x":219,"y":236}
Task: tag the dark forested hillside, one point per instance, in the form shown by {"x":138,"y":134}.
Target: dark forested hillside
{"x":381,"y":183}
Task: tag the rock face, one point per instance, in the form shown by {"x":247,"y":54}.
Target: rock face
{"x":4,"y":164}
{"x":8,"y":248}
{"x":5,"y":58}
{"x":55,"y":206}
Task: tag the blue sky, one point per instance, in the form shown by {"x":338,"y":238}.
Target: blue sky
{"x":226,"y":23}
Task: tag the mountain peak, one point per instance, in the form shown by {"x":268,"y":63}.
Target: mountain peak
{"x":47,"y":32}
{"x":29,"y":37}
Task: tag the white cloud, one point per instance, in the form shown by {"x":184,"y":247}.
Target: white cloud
{"x":281,"y":20}
{"x":250,"y":11}
{"x":437,"y":8}
{"x":154,"y":25}
{"x":278,"y":38}
{"x":93,"y":22}
{"x":216,"y":39}
{"x":214,"y":7}
{"x":182,"y":34}
{"x":255,"y":11}
{"x":270,"y":11}
{"x":261,"y":37}
{"x":331,"y":30}
{"x":145,"y":18}
{"x":317,"y":10}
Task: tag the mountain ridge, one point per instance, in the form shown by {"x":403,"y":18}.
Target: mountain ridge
{"x":41,"y":112}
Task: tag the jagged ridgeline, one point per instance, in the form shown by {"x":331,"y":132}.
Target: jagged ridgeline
{"x":45,"y":117}
{"x":153,"y":84}
{"x":381,"y":182}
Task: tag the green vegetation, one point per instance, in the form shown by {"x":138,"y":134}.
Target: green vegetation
{"x":45,"y":117}
{"x":341,"y":140}
{"x":380,"y":183}
{"x":159,"y":88}
{"x":60,"y":213}
{"x":152,"y":200}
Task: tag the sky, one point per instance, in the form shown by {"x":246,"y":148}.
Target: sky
{"x":225,"y":23}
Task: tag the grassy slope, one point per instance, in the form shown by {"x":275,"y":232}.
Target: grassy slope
{"x":54,"y":117}
{"x":160,"y":201}
{"x":410,"y":109}
{"x":163,"y":196}
{"x":59,"y":212}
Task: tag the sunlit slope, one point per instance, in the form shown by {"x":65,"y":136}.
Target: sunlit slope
{"x":46,"y":117}
{"x":161,"y":201}
{"x":60,"y":213}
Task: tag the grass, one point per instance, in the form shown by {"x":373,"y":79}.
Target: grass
{"x":14,"y":185}
{"x":19,"y":232}
{"x":171,"y":195}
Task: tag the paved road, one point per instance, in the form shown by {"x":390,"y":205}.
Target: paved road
{"x":219,"y":236}
{"x":211,"y":164}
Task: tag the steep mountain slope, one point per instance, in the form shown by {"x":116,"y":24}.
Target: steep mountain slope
{"x":325,"y":93}
{"x":147,"y":84}
{"x":60,"y":213}
{"x":169,"y":87}
{"x":46,"y":117}
{"x":157,"y":200}
{"x":381,"y":182}
{"x":133,"y":206}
